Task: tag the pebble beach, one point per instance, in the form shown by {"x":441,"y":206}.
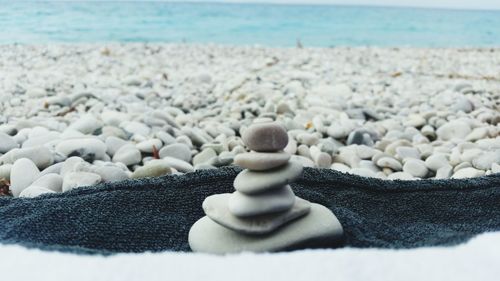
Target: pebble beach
{"x":76,"y":115}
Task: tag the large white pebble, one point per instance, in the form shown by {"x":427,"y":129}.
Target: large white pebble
{"x":24,"y":172}
{"x":40,"y":155}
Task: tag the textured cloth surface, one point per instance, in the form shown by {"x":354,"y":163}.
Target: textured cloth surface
{"x":155,"y":214}
{"x":475,"y":260}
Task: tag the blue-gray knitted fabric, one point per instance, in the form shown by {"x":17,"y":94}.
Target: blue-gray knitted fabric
{"x":155,"y":214}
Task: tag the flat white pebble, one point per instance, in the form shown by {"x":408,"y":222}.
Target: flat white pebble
{"x":74,"y":180}
{"x":35,"y":191}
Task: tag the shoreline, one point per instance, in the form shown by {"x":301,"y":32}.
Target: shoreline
{"x":493,"y":47}
{"x":391,"y":113}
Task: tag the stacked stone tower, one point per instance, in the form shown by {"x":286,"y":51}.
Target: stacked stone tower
{"x":263,"y":214}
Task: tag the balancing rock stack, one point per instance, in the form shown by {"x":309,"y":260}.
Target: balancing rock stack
{"x":263,"y":214}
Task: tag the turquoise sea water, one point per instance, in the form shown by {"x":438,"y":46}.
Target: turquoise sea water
{"x":238,"y":24}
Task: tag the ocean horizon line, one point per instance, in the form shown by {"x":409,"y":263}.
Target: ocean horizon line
{"x":381,"y":6}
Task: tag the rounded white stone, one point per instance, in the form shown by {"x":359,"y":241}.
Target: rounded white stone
{"x":416,"y":168}
{"x":128,"y":155}
{"x":436,"y":161}
{"x":388,"y":162}
{"x":23,"y":173}
{"x":177,"y":150}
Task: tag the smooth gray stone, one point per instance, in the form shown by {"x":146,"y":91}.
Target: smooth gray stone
{"x":355,"y":137}
{"x":177,"y":150}
{"x":272,"y":201}
{"x":261,"y":161}
{"x":319,"y":226}
{"x":252,"y":182}
{"x":23,"y":173}
{"x":265,"y":137}
{"x":216,"y":208}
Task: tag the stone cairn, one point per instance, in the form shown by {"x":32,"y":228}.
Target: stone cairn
{"x":263,"y":214}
